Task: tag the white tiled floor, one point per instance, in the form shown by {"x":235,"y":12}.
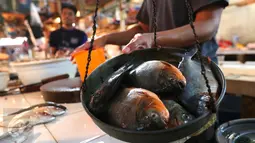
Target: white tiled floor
{"x":36,"y":98}
{"x":40,"y":134}
{"x":104,"y":139}
{"x":8,"y":103}
{"x":74,"y":128}
{"x":73,"y":107}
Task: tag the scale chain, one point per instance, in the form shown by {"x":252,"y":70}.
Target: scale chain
{"x":155,"y":22}
{"x":211,"y":104}
{"x":91,"y":45}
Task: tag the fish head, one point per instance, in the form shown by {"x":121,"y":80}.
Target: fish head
{"x":152,"y":114}
{"x":170,"y":77}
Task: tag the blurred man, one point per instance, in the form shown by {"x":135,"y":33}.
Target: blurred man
{"x":64,"y":40}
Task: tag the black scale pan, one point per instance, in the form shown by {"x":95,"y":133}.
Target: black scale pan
{"x":190,"y":68}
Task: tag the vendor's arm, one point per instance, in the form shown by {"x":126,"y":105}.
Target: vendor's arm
{"x":118,"y":38}
{"x":206,"y":24}
{"x":123,"y":38}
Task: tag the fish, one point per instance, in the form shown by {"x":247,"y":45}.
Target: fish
{"x":19,"y":133}
{"x":49,"y":107}
{"x":195,"y":95}
{"x":198,"y":104}
{"x":20,"y":126}
{"x":34,"y":117}
{"x":137,"y":109}
{"x":36,"y":114}
{"x":51,"y":110}
{"x":99,"y":101}
{"x":179,"y":116}
{"x":158,"y":77}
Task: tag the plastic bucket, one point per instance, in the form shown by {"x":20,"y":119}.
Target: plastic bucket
{"x":97,"y":58}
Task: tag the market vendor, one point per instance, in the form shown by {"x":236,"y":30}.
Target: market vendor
{"x":173,"y":27}
{"x":64,"y":40}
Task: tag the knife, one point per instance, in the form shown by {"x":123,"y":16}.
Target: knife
{"x":33,"y":87}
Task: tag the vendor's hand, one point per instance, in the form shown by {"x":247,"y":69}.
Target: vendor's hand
{"x":140,"y":41}
{"x":98,"y":43}
{"x":60,"y":53}
{"x":63,"y":53}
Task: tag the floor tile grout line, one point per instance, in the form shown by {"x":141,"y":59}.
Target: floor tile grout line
{"x":26,"y":99}
{"x":76,"y":112}
{"x":30,"y":104}
{"x":43,"y":124}
{"x":93,"y":138}
{"x":50,"y":133}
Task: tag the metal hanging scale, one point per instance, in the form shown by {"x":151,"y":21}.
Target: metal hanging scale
{"x":211,"y":104}
{"x":189,"y":60}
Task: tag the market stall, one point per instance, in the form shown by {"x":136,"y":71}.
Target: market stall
{"x":104,"y":96}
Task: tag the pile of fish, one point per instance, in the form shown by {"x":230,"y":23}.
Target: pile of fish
{"x":19,"y":124}
{"x":142,"y":97}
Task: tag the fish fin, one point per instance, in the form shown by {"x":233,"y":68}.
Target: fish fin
{"x":100,"y":99}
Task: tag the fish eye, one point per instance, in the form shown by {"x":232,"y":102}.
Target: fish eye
{"x":154,"y":115}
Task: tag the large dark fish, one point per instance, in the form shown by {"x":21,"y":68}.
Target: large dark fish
{"x":179,"y":115}
{"x":195,"y":97}
{"x":158,"y":77}
{"x":138,"y":109}
{"x":99,"y":101}
{"x":198,"y":104}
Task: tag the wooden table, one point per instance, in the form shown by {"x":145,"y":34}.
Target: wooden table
{"x":241,"y":82}
{"x":235,"y":52}
{"x":240,"y":78}
{"x":241,"y":85}
{"x":241,"y":55}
